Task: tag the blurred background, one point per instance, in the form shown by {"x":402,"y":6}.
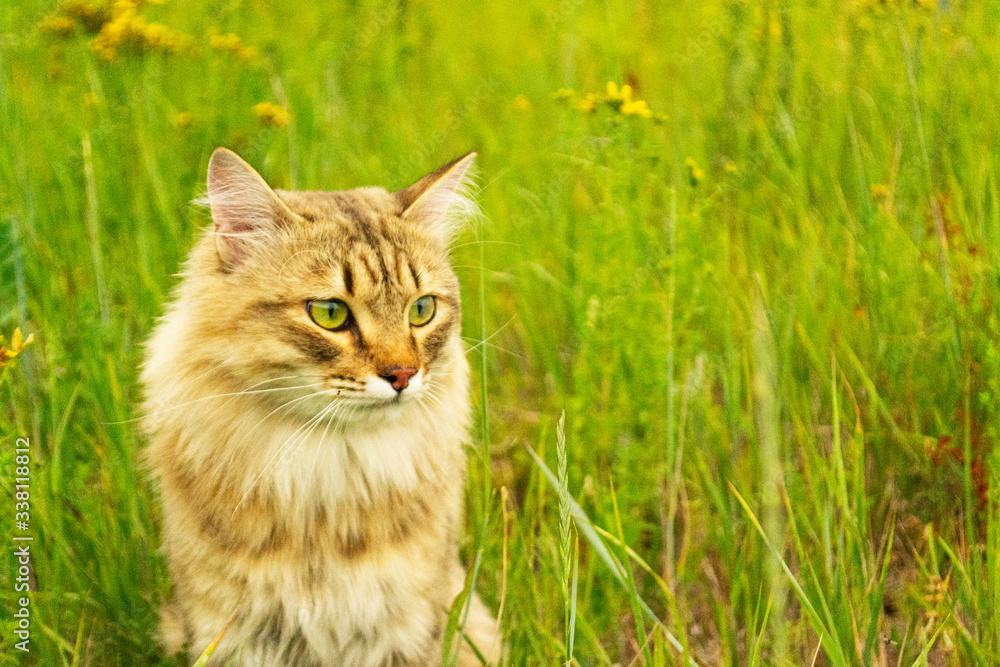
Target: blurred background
{"x":750,"y":249}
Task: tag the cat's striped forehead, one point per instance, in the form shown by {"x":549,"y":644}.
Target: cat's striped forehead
{"x":360,"y":237}
{"x":380,"y":272}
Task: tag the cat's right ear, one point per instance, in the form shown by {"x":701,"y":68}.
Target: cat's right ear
{"x":441,"y":200}
{"x":245,"y":210}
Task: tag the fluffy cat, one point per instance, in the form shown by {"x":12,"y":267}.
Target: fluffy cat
{"x":307,"y":400}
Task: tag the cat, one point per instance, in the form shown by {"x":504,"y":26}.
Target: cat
{"x":307,"y":400}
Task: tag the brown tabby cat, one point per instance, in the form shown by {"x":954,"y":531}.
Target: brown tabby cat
{"x":307,"y":396}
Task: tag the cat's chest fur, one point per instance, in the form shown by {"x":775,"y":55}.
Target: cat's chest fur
{"x":346,"y":540}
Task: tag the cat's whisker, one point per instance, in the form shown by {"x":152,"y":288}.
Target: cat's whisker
{"x":329,"y":414}
{"x":207,"y":418}
{"x":481,"y":242}
{"x":431,"y":396}
{"x":240,"y":393}
{"x":234,"y":394}
{"x":435,"y":401}
{"x":332,"y":416}
{"x":277,"y":453}
{"x":283,"y":406}
{"x":427,"y":411}
{"x":432,"y":402}
{"x":350,"y":415}
{"x":506,"y":274}
{"x":343,"y":416}
{"x":322,"y":439}
{"x":495,"y":347}
{"x":324,"y":414}
{"x":482,"y":342}
{"x":172,"y":389}
{"x":232,"y":398}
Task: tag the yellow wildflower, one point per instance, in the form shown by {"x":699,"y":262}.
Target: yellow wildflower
{"x":615,"y":99}
{"x":159,"y":36}
{"x":730,"y":167}
{"x":522,"y":103}
{"x":130,"y":30}
{"x":232,"y":43}
{"x":637,"y":108}
{"x":90,"y":101}
{"x":621,"y":100}
{"x":228,"y":42}
{"x":126,"y":27}
{"x":564,"y":94}
{"x":184,"y":120}
{"x":581,"y":199}
{"x":17,"y":345}
{"x":695,"y":173}
{"x":272,"y":115}
{"x":880,"y":192}
{"x":57,"y":25}
{"x":90,"y":15}
{"x":247,"y":54}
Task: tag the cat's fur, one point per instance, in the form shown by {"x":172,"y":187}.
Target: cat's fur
{"x":303,"y":502}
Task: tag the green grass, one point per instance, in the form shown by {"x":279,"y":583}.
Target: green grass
{"x":779,"y":361}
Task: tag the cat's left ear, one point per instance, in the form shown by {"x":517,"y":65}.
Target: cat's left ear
{"x":440,"y":200}
{"x":246,"y":211}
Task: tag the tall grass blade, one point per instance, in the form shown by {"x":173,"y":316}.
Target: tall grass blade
{"x":833,"y":650}
{"x":584,"y":525}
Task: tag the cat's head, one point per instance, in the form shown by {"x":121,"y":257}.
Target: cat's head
{"x":344,"y":297}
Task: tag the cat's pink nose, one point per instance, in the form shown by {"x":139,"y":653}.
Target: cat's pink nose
{"x":399,"y":377}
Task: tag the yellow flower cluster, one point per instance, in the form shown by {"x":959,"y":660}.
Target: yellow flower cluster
{"x":880,"y":192}
{"x":17,"y":345}
{"x":234,"y":45}
{"x":619,"y":100}
{"x":184,"y":120}
{"x":117,"y":25}
{"x":88,"y":14}
{"x":522,"y":103}
{"x":773,"y":31}
{"x":57,"y":25}
{"x":129,"y":29}
{"x":695,"y":173}
{"x":272,"y":115}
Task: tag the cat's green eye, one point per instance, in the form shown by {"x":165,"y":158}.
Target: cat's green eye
{"x":328,"y":313}
{"x":422,"y":311}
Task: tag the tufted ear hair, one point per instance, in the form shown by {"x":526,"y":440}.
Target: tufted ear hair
{"x":244,"y":208}
{"x":441,"y":200}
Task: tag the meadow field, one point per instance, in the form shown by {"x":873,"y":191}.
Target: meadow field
{"x":750,"y":250}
